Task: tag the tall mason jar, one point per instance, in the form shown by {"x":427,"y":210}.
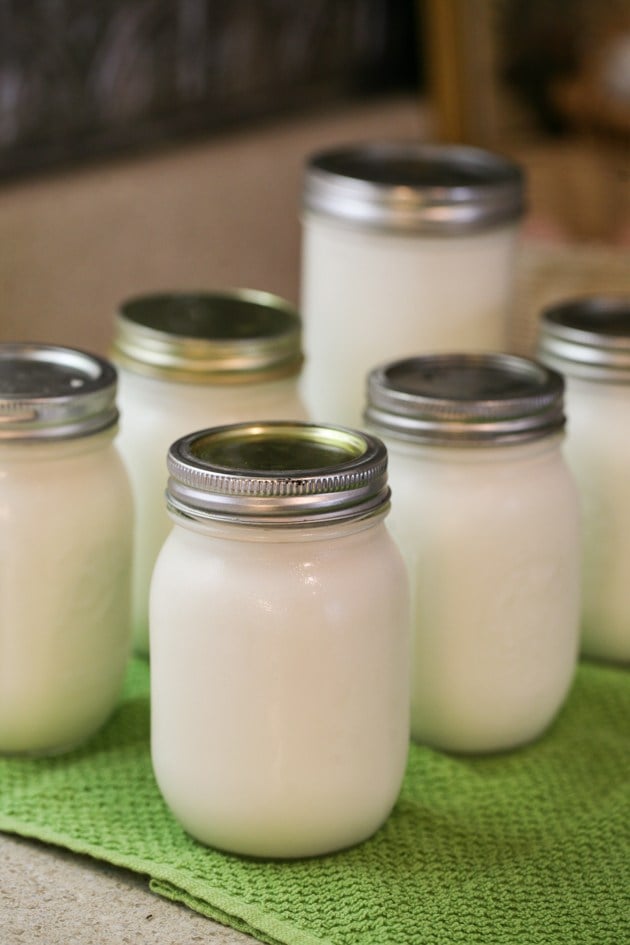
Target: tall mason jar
{"x":188,"y":360}
{"x":588,"y":340}
{"x":279,"y":640}
{"x":65,"y":548}
{"x":407,"y":248}
{"x":485,"y":512}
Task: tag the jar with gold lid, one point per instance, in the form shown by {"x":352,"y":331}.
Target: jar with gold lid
{"x":188,"y":360}
{"x":279,"y":640}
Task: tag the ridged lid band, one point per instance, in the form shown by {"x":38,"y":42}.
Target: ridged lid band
{"x":465,"y":399}
{"x":277,"y":472}
{"x":588,"y":337}
{"x":236,"y":336}
{"x":54,"y":392}
{"x":414,"y":187}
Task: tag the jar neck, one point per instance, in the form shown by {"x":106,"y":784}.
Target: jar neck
{"x":278,"y":533}
{"x":32,"y":450}
{"x":489,"y":453}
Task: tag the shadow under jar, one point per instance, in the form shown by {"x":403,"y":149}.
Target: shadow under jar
{"x":485,"y":512}
{"x":65,"y":548}
{"x":279,"y":640}
{"x":588,"y":340}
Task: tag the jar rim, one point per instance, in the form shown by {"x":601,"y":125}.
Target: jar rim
{"x":411,"y":186}
{"x":277,"y":473}
{"x":204,"y":336}
{"x":465,"y":399}
{"x":588,"y":336}
{"x":54,"y":392}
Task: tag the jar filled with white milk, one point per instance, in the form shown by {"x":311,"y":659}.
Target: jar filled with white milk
{"x":485,"y":512}
{"x":187,"y":361}
{"x":407,"y":248}
{"x":588,"y":340}
{"x":279,"y":640}
{"x":65,"y":548}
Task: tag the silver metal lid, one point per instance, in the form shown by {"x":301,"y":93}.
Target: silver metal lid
{"x":209,"y":337}
{"x":465,"y":399}
{"x":413,"y":187}
{"x":52,"y":392}
{"x":278,"y":473}
{"x":588,"y":337}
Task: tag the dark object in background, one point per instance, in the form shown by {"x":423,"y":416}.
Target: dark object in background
{"x":569,"y":63}
{"x":79,"y":80}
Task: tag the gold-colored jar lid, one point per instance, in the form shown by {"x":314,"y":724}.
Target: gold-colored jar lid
{"x":235,"y":336}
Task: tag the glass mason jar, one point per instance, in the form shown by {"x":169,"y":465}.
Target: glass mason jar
{"x":588,"y":340}
{"x":406,"y":248}
{"x":486,"y":514}
{"x":188,"y":361}
{"x":279,"y":640}
{"x":65,"y":548}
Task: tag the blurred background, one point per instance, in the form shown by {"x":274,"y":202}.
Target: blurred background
{"x":160,"y":144}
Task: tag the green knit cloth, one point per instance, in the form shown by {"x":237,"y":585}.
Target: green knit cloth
{"x":527,"y":847}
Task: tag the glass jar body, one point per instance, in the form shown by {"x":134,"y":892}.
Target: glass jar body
{"x":369,"y":296}
{"x":65,"y":560}
{"x":598,"y":453}
{"x":279,"y":681}
{"x":491,"y":540}
{"x":154,"y":413}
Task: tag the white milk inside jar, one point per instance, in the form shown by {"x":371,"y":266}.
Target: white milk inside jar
{"x":407,"y":248}
{"x":588,"y":340}
{"x":65,"y":548}
{"x":485,"y":512}
{"x":188,"y":361}
{"x":279,"y":640}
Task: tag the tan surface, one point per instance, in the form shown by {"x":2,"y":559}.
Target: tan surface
{"x":52,"y":897}
{"x":212,"y":215}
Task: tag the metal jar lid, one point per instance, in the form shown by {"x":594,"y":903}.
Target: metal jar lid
{"x":51,"y":392}
{"x":278,"y":473}
{"x":465,"y":399}
{"x":413,"y":187}
{"x":209,"y":337}
{"x":588,"y":337}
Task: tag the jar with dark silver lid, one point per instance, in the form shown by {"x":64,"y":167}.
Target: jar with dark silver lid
{"x":66,"y":510}
{"x":588,"y":340}
{"x":188,"y":360}
{"x":486,"y":515}
{"x":279,"y":640}
{"x":406,"y":247}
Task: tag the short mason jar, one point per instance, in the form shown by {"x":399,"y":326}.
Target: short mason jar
{"x":485,"y":512}
{"x":588,"y":340}
{"x":407,"y":248}
{"x":188,"y":360}
{"x":279,"y":640}
{"x":65,"y":548}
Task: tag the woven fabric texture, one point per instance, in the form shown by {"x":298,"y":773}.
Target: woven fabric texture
{"x":527,"y":847}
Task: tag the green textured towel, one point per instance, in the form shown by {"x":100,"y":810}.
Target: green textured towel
{"x":529,"y":847}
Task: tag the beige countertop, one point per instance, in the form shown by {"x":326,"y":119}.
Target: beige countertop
{"x":50,"y":896}
{"x":215,"y":214}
